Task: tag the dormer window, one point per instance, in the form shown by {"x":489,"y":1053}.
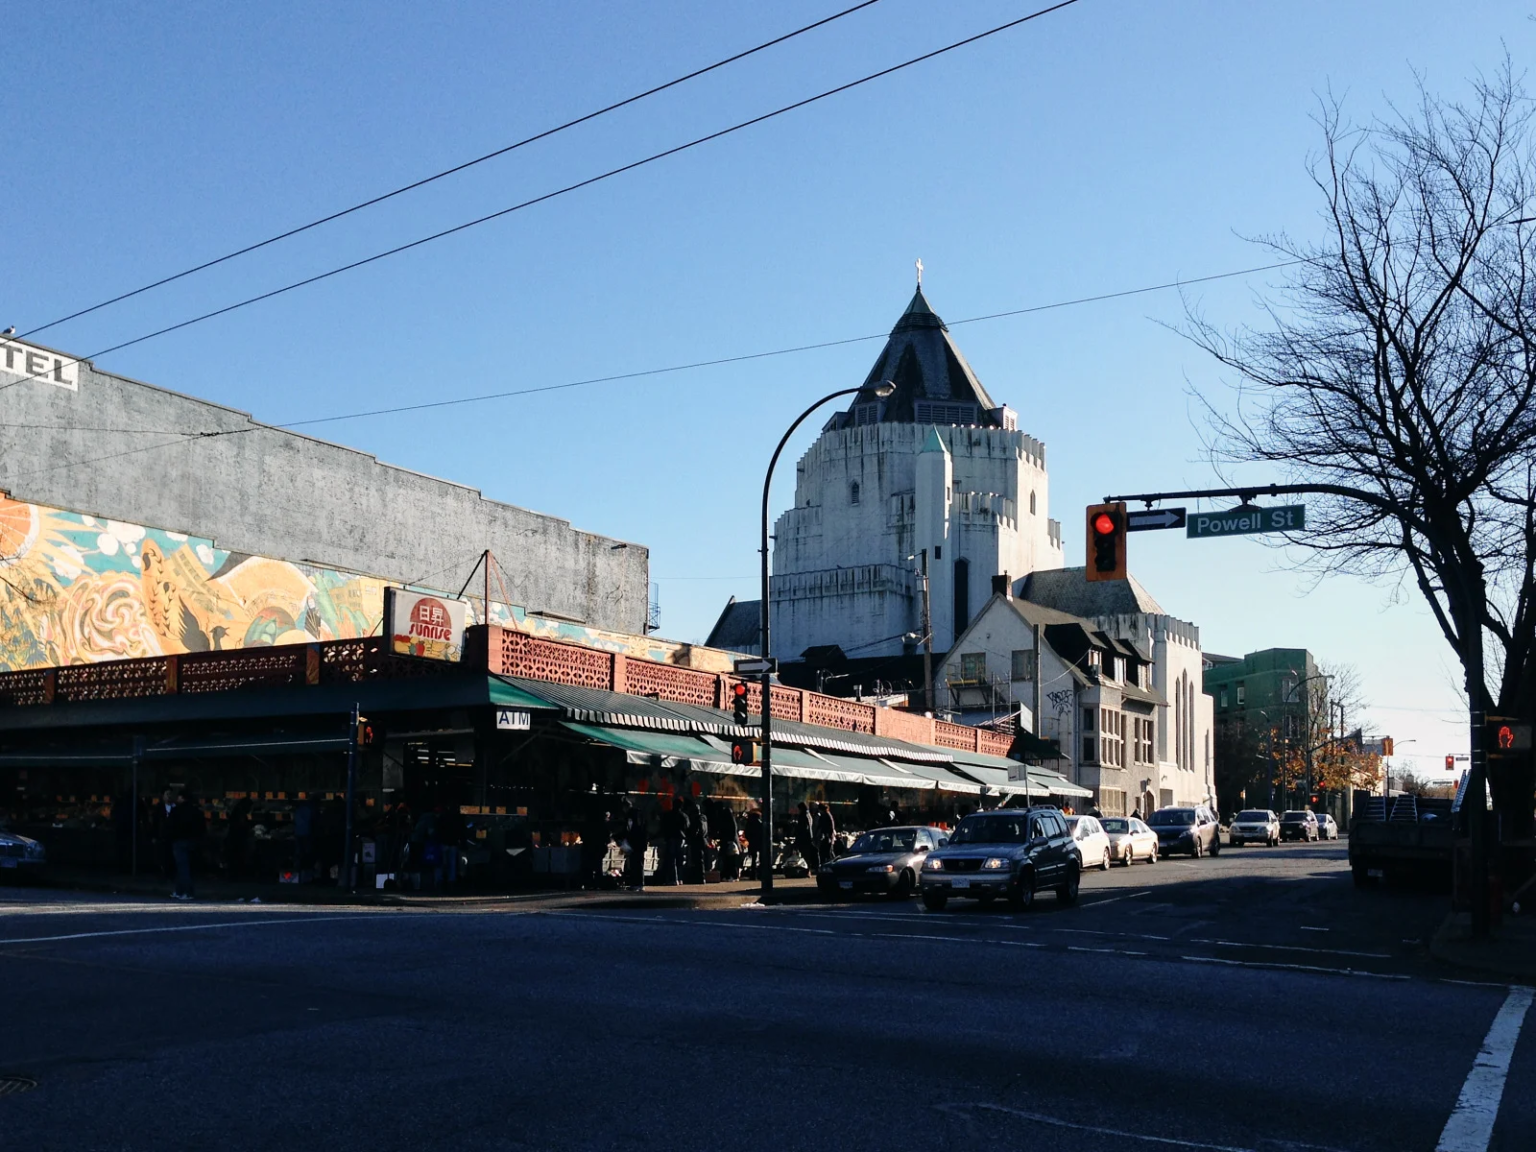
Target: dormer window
{"x":853,"y":492}
{"x":1094,"y":658}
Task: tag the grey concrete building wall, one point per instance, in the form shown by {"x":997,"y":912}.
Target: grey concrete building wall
{"x":124,"y":450}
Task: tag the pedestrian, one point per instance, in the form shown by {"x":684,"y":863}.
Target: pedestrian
{"x":186,"y":828}
{"x":805,"y":838}
{"x":724,"y":828}
{"x":753,"y":831}
{"x":450,"y":835}
{"x":826,"y":833}
{"x":594,"y":845}
{"x":160,"y":827}
{"x":1136,"y":812}
{"x":303,"y":836}
{"x":237,"y":841}
{"x":674,"y":834}
{"x":636,"y":840}
{"x":698,"y":841}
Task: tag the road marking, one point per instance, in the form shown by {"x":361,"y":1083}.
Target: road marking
{"x":253,"y":922}
{"x":1041,"y":1118}
{"x":1313,"y":928}
{"x":1109,"y":951}
{"x":1292,"y":948}
{"x":1275,"y":964}
{"x":1112,"y":899}
{"x":1470,"y":1126}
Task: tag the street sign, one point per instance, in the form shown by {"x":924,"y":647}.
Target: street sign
{"x":1150,"y":520}
{"x":757,"y":667}
{"x":514,"y":719}
{"x":1246,"y":519}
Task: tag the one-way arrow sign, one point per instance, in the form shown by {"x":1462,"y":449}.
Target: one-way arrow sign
{"x":1147,"y":521}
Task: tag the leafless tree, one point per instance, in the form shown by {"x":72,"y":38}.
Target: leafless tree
{"x":1397,"y":370}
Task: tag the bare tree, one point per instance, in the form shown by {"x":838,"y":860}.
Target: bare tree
{"x":1396,"y":371}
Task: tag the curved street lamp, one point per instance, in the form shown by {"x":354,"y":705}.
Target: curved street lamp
{"x":885,"y":389}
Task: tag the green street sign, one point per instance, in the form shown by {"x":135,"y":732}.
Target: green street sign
{"x":1245,"y":519}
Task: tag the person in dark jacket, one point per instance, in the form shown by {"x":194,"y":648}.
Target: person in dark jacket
{"x":753,"y":831}
{"x":594,"y":845}
{"x":724,"y":828}
{"x":698,"y":841}
{"x":826,"y":833}
{"x":160,"y":831}
{"x":674,"y":833}
{"x":186,"y":828}
{"x":637,"y":837}
{"x":805,"y":838}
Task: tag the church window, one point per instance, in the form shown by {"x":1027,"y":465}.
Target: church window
{"x":1023,"y":664}
{"x":1031,"y":503}
{"x":853,"y":492}
{"x":973,"y":665}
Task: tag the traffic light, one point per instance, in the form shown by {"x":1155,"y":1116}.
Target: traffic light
{"x":1386,"y":745}
{"x":744,"y":752}
{"x":1450,"y":762}
{"x":364,"y":735}
{"x":1106,"y":542}
{"x":1505,"y":736}
{"x":739,"y":709}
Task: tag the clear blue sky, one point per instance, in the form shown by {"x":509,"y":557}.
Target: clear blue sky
{"x":1107,"y":146}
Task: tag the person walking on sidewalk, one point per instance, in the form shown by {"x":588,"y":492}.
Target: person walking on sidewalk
{"x":698,"y":841}
{"x":674,"y":833}
{"x":636,"y":840}
{"x":805,"y":838}
{"x":594,"y":846}
{"x":826,"y":833}
{"x":753,"y":831}
{"x":724,"y":828}
{"x":186,"y":829}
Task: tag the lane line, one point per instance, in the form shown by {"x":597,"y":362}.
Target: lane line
{"x":1291,"y":948}
{"x":251,"y":923}
{"x":1041,"y":1118}
{"x":1112,"y":899}
{"x":1312,"y":928}
{"x":1276,"y":964}
{"x":1470,"y":1126}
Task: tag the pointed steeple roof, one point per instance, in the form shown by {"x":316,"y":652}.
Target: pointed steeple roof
{"x":929,"y":371}
{"x":933,"y":442}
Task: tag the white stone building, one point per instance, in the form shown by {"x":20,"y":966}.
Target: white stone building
{"x":938,"y":469}
{"x":1118,"y":686}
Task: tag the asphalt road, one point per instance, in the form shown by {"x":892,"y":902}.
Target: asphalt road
{"x":1255,"y":1001}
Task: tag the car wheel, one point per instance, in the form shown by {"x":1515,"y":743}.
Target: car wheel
{"x":1199,"y":849}
{"x":1022,"y":895}
{"x":1106,"y":860}
{"x":1152,"y":859}
{"x":905,"y":885}
{"x":935,"y":901}
{"x":1067,"y":893}
{"x":1216,"y":844}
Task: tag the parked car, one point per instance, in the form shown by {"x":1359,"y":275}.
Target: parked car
{"x":1130,"y":840}
{"x":1298,"y":826}
{"x":1191,"y":830}
{"x":1011,"y":852}
{"x":20,"y":855}
{"x":1327,"y":827}
{"x":1254,"y":826}
{"x":1093,"y":845}
{"x":882,"y":860}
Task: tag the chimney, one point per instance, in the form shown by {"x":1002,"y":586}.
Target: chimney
{"x":1002,"y":585}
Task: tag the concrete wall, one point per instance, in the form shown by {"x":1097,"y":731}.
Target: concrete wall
{"x":119,"y":449}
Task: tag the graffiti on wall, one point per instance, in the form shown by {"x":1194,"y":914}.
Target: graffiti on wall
{"x":76,"y":589}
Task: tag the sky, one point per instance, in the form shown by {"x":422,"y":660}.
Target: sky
{"x":1104,"y":147}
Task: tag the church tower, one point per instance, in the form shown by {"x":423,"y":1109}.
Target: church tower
{"x":937,"y":465}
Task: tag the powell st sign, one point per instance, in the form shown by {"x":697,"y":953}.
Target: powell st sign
{"x":1246,"y":519}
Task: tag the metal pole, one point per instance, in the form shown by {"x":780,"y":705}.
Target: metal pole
{"x":138,"y":753}
{"x":765,"y":867}
{"x":929,"y":702}
{"x":345,"y":876}
{"x":1477,"y":782}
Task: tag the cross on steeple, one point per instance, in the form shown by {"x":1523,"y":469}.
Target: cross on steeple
{"x":919,"y":271}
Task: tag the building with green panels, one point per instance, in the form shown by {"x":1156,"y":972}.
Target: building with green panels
{"x":1261,"y":700}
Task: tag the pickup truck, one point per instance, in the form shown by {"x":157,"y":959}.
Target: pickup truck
{"x":1399,"y":834}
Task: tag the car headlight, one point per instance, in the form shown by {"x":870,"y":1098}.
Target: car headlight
{"x":933,"y":865}
{"x":882,"y":868}
{"x":35,"y":851}
{"x":993,"y":863}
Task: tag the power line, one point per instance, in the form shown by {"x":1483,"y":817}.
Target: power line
{"x":180,"y":437}
{"x":457,"y":168}
{"x":612,"y":172}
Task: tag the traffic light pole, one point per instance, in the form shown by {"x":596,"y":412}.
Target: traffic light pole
{"x":344,"y":874}
{"x":765,"y":865}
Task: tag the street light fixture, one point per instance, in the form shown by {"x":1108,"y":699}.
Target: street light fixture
{"x":884,"y":390}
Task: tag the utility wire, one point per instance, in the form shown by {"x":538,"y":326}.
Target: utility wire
{"x":651,"y":159}
{"x":457,"y":168}
{"x":180,"y":437}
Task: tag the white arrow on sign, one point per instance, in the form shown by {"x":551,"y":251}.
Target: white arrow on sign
{"x":1162,"y":518}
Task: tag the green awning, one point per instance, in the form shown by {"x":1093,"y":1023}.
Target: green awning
{"x":663,"y":749}
{"x":995,"y":772}
{"x":936,"y":775}
{"x":504,"y":695}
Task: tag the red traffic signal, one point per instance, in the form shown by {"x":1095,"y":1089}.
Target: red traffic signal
{"x":744,"y":752}
{"x":1506,"y":737}
{"x":364,"y":732}
{"x":1106,"y":542}
{"x":740,"y":712}
{"x":1450,"y":762}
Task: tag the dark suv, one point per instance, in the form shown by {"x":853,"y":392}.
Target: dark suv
{"x":1193,"y":830}
{"x":1012,"y":852}
{"x":1298,"y":826}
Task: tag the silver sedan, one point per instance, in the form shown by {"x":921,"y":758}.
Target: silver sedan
{"x":1129,"y":840}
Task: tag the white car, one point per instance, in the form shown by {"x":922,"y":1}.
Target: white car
{"x":1254,"y":826}
{"x":1092,"y":842}
{"x":1129,"y":840}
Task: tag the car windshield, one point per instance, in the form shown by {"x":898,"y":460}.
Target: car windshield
{"x":887,"y":840}
{"x":1253,"y":816}
{"x":1172,"y":817}
{"x":1295,"y":817}
{"x":992,"y":830}
{"x":1115,"y":825}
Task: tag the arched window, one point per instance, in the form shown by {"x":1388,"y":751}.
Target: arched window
{"x":1031,"y":503}
{"x":853,"y":492}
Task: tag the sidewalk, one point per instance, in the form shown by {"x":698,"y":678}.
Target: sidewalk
{"x":1510,"y":954}
{"x":214,"y":891}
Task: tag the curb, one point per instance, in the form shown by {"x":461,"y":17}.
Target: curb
{"x":1448,"y":946}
